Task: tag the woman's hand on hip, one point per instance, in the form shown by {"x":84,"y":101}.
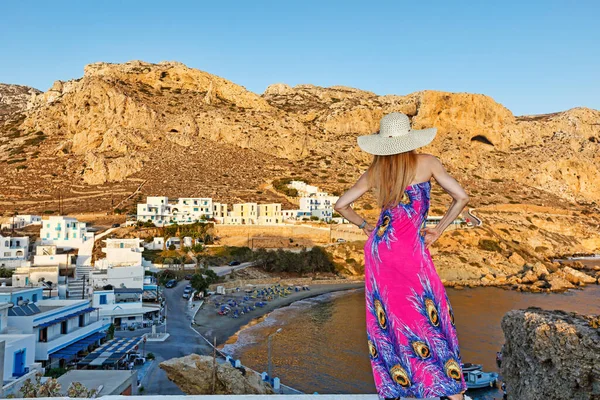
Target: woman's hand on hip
{"x":431,"y":235}
{"x":368,"y":229}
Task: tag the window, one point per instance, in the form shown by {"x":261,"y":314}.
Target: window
{"x":195,"y":208}
{"x":64,"y":327}
{"x":43,"y":335}
{"x":82,"y":320}
{"x":102,"y":299}
{"x":131,"y":318}
{"x":34,"y":298}
{"x":7,"y":254}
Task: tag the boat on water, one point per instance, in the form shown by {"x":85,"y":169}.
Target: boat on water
{"x":471,"y":367}
{"x":477,"y":379}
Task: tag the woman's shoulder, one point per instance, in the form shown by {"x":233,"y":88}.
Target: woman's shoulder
{"x":427,"y":158}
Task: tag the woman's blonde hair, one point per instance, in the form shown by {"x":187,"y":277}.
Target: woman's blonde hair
{"x":389,"y":176}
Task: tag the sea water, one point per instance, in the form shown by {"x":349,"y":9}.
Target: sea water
{"x":323,"y":344}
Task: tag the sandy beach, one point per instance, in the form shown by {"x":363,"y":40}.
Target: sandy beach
{"x":209,"y":324}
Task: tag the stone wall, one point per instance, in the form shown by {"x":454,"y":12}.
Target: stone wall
{"x":551,"y":355}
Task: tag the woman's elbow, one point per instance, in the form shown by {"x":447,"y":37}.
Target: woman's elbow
{"x":339,"y":207}
{"x":464,"y":199}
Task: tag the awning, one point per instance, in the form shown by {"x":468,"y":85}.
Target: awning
{"x":110,"y":352}
{"x":74,"y":348}
{"x":65,"y":317}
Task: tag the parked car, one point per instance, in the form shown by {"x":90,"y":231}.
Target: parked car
{"x":186,"y":295}
{"x":116,"y":225}
{"x":171,"y":284}
{"x":232,"y":263}
{"x":187,"y":277}
{"x":340,"y":240}
{"x":187,"y":289}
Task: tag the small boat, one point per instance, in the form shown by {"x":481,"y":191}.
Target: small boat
{"x":478,"y":379}
{"x":471,"y":367}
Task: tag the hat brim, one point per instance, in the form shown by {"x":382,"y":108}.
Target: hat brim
{"x":385,"y":146}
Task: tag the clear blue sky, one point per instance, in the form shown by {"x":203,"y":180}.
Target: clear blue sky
{"x":531,"y":56}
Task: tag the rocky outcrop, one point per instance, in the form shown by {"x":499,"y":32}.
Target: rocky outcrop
{"x":194,"y":376}
{"x":14,"y":98}
{"x":551,"y":355}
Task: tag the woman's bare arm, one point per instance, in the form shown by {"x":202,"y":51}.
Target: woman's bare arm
{"x":342,"y":206}
{"x":454,"y":189}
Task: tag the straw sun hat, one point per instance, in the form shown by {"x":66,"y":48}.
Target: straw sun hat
{"x":395,"y":136}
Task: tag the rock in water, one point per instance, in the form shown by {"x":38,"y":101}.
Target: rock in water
{"x":551,"y":355}
{"x":194,"y":375}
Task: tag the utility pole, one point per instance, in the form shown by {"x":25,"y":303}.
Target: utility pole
{"x":83,"y":291}
{"x":214,"y":381}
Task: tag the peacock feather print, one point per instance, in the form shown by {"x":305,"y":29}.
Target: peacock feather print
{"x":413,"y":348}
{"x":439,"y":328}
{"x":393,"y":361}
{"x":383,"y":233}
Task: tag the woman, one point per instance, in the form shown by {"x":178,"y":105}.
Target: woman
{"x":412,"y":340}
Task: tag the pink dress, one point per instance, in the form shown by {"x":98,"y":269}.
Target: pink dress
{"x":412,"y":340}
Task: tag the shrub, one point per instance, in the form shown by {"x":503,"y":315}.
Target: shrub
{"x":150,"y":356}
{"x":172,"y":247}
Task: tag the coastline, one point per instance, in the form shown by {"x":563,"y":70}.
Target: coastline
{"x":225,"y":329}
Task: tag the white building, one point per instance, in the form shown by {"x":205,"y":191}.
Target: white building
{"x":289,"y":214}
{"x":123,"y":307}
{"x":65,"y":232}
{"x":118,"y":277}
{"x":186,"y":210}
{"x":269,"y":214}
{"x":303,"y":188}
{"x":17,"y":356}
{"x":319,"y":206}
{"x":157,"y":243}
{"x":219,"y":212}
{"x":13,"y":251}
{"x":62,"y":328}
{"x":192,"y":209}
{"x":120,"y":253}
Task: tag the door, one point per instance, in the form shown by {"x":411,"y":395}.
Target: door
{"x":19,"y":364}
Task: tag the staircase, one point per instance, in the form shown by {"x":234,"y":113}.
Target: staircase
{"x":75,"y":289}
{"x":83,"y":271}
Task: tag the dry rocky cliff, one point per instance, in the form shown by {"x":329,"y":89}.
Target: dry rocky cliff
{"x":551,"y":355}
{"x":166,"y":129}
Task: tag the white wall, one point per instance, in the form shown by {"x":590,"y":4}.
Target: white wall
{"x":128,"y":276}
{"x":63,"y":231}
{"x":14,"y":343}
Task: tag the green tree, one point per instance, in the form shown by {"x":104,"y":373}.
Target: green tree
{"x":198,"y":283}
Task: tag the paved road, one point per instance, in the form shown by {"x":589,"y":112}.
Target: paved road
{"x":477,"y":220}
{"x":183,"y":340}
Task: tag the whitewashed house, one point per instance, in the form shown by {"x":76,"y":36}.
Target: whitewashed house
{"x":192,"y":209}
{"x":18,"y":361}
{"x":157,"y":243}
{"x":65,"y":232}
{"x":303,"y":188}
{"x":320,"y":206}
{"x":121,"y":252}
{"x":13,"y":251}
{"x":122,"y":267}
{"x":61,"y":328}
{"x":186,"y":210}
{"x":289,"y":214}
{"x":123,"y":307}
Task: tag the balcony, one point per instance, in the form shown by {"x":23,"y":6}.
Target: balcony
{"x":63,"y":340}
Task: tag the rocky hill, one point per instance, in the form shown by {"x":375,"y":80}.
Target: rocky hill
{"x":14,"y":98}
{"x":166,"y":129}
